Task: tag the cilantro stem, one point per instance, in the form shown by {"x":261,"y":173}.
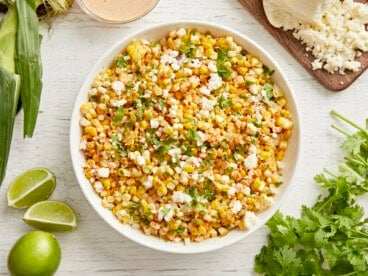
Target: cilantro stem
{"x":330,"y":173}
{"x":340,"y":130}
{"x":356,"y":161}
{"x":343,"y":118}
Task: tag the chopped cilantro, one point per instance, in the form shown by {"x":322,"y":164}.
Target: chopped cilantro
{"x":187,"y":48}
{"x":192,"y":134}
{"x":267,"y":93}
{"x":187,"y":150}
{"x":132,"y":207}
{"x":267,"y":71}
{"x":119,"y":115}
{"x":223,"y":102}
{"x":140,"y":111}
{"x":162,"y":103}
{"x":120,"y":62}
{"x":209,"y":190}
{"x":223,"y":71}
{"x":249,"y":82}
{"x":180,"y":230}
{"x":222,"y":55}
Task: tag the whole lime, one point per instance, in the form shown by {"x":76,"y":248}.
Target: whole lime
{"x":36,"y":253}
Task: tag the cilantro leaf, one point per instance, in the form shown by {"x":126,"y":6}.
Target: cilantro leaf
{"x":267,"y":93}
{"x":331,"y":237}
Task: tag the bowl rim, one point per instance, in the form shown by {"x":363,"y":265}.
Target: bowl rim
{"x":74,"y":125}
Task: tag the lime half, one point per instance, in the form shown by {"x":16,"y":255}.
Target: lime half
{"x":32,"y":186}
{"x":51,"y":215}
{"x":36,"y":253}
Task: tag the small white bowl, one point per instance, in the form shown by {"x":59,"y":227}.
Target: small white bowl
{"x":290,"y":161}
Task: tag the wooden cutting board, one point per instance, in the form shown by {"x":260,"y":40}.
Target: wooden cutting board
{"x":335,"y":82}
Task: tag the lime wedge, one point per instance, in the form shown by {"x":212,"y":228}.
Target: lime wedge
{"x":30,"y":187}
{"x":51,"y":215}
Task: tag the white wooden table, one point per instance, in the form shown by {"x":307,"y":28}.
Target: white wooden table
{"x":69,"y":49}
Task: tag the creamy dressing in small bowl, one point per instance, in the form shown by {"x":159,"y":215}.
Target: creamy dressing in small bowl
{"x":117,"y":11}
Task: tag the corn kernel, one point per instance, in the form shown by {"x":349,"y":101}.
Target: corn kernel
{"x":91,"y":131}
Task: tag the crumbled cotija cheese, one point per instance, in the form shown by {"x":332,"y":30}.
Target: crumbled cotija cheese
{"x":338,"y":39}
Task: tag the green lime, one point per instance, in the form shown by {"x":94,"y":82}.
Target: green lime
{"x":36,"y":253}
{"x":51,"y":215}
{"x":31,"y":186}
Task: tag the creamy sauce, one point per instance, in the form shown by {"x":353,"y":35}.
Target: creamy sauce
{"x":119,"y":10}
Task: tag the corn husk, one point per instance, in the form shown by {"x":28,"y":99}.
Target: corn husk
{"x":28,"y":64}
{"x":9,"y":95}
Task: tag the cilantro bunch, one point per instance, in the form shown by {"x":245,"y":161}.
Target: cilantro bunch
{"x":330,"y":238}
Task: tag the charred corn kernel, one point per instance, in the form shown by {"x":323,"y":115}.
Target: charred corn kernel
{"x":265,"y":154}
{"x":242,"y":71}
{"x":223,"y":231}
{"x":85,"y":108}
{"x":180,"y":188}
{"x":143,"y":124}
{"x":91,"y":131}
{"x":209,"y":52}
{"x":258,"y":185}
{"x":136,"y":50}
{"x":284,"y":123}
{"x":276,"y":179}
{"x":237,"y":106}
{"x":133,"y":190}
{"x":88,"y":174}
{"x":283,"y":144}
{"x":281,"y":102}
{"x":188,"y":168}
{"x":162,"y":190}
{"x":203,"y":70}
{"x":280,"y":155}
{"x":106,"y":183}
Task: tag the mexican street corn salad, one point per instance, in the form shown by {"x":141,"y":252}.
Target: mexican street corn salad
{"x":184,"y":137}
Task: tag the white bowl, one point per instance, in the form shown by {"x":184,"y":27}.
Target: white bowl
{"x":290,"y":161}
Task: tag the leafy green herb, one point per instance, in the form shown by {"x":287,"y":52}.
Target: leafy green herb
{"x":222,"y":55}
{"x":156,"y":44}
{"x":187,"y":150}
{"x":223,"y":71}
{"x":249,"y":82}
{"x":223,"y":102}
{"x":180,"y":230}
{"x":330,"y":238}
{"x":140,"y":111}
{"x":134,"y":206}
{"x":119,"y":116}
{"x":267,"y":71}
{"x":209,"y":190}
{"x":193,"y":192}
{"x":187,"y":48}
{"x":162,"y":103}
{"x":163,"y":146}
{"x":192,"y":134}
{"x":267,"y":93}
{"x":121,"y":62}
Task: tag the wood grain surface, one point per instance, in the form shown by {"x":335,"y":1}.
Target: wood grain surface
{"x":334,"y":82}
